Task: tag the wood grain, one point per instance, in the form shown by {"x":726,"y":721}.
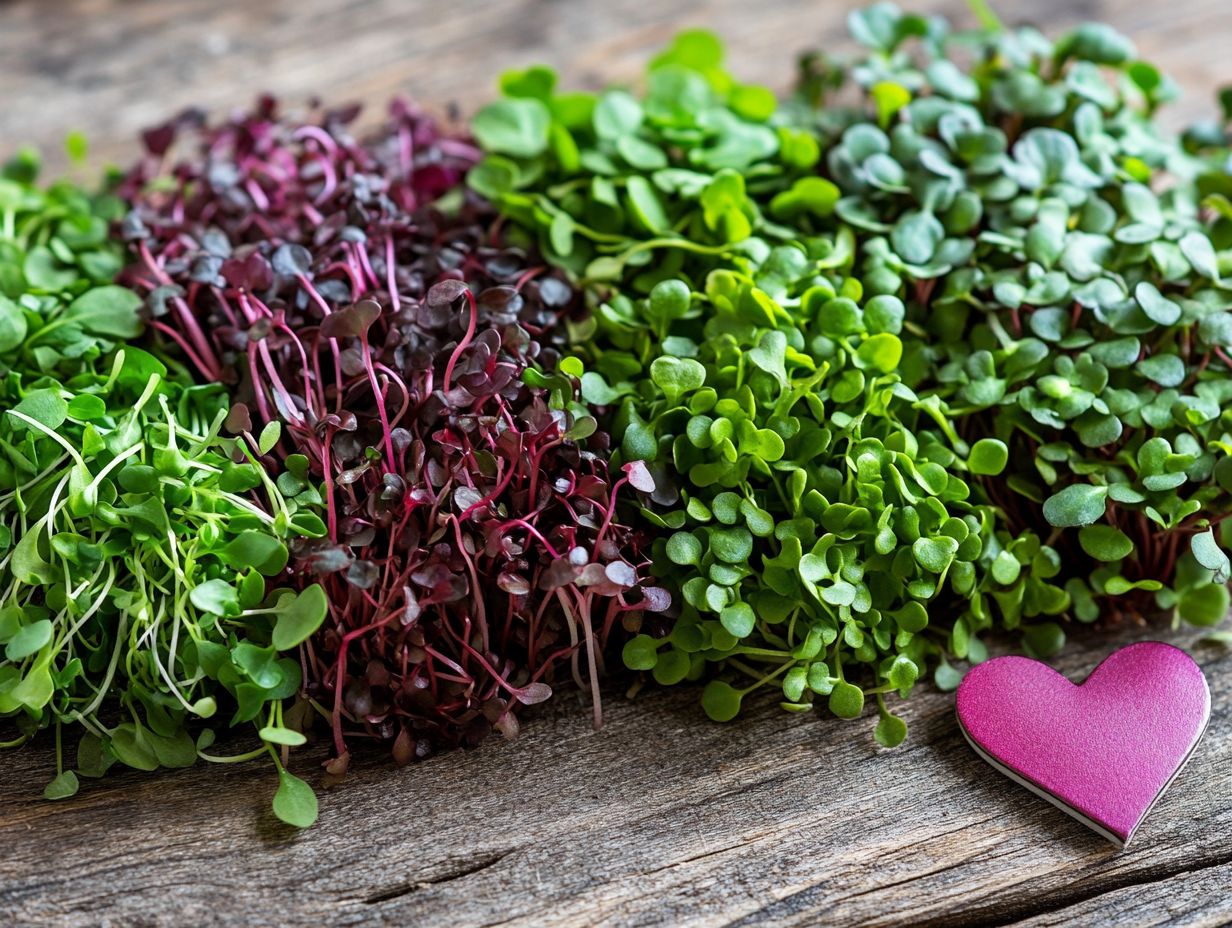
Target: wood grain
{"x":113,"y":67}
{"x":661,"y":818}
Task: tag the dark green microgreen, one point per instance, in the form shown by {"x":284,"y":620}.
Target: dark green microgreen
{"x":1063,"y":260}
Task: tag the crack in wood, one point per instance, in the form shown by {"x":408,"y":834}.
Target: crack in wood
{"x":464,"y":869}
{"x":694,"y":858}
{"x":803,"y":898}
{"x":1005,"y":916}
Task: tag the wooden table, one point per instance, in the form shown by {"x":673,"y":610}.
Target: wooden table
{"x":661,"y":818}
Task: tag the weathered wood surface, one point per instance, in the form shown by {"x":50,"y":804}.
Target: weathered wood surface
{"x":661,"y":818}
{"x":111,"y":68}
{"x":658,"y":819}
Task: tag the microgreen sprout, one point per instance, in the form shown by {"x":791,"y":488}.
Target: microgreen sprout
{"x":355,"y":293}
{"x":1062,"y":256}
{"x":136,"y":544}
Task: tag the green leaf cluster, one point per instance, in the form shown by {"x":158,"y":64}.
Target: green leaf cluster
{"x":1066,"y":261}
{"x":141,"y":552}
{"x":947,"y":359}
{"x":815,"y":514}
{"x":622,"y":187}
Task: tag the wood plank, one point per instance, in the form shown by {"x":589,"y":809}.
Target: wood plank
{"x":113,"y":67}
{"x":660,"y":818}
{"x":1192,"y":897}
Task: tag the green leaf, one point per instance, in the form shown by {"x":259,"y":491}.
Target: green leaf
{"x":697,"y":49}
{"x":493,"y":177}
{"x":640,"y":652}
{"x":1158,"y":308}
{"x":946,"y":677}
{"x":902,"y":674}
{"x":536,"y":81}
{"x":988,"y":457}
{"x":669,"y":300}
{"x":890,"y":731}
{"x":1044,"y":640}
{"x":294,"y":802}
{"x":86,"y":407}
{"x":888,"y":98}
{"x":215,"y":596}
{"x":738,"y":618}
{"x":720,"y":701}
{"x":76,"y":146}
{"x":560,"y":234}
{"x":1167,"y":370}
{"x":807,"y":196}
{"x":677,"y":376}
{"x":1105,"y":543}
{"x":255,"y":549}
{"x":93,"y":757}
{"x":882,"y":351}
{"x":64,"y":785}
{"x":935,"y":554}
{"x":646,"y":205}
{"x":27,"y":563}
{"x":616,"y":114}
{"x":301,"y":617}
{"x":12,"y":325}
{"x":46,"y":407}
{"x":915,"y":237}
{"x":672,"y":667}
{"x":177,"y":750}
{"x":269,"y":437}
{"x":683,"y":548}
{"x":107,"y":310}
{"x":267,"y":673}
{"x":276,"y":735}
{"x":1096,"y":42}
{"x":846,"y":700}
{"x":733,"y":545}
{"x":44,"y":272}
{"x":1204,"y":605}
{"x":30,"y":639}
{"x":131,"y":747}
{"x":1200,"y":254}
{"x":1079,"y":504}
{"x":1208,"y":553}
{"x":517,"y":127}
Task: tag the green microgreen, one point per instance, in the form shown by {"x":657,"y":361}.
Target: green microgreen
{"x":1065,"y":260}
{"x":136,"y":543}
{"x":817,"y":523}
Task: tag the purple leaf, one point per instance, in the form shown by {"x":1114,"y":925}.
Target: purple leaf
{"x":639,"y":476}
{"x":445,"y":292}
{"x":351,"y":322}
{"x":621,"y":573}
{"x":655,"y":599}
{"x":533,"y":693}
{"x":238,"y":420}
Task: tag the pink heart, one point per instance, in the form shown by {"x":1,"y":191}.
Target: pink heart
{"x":1103,"y":751}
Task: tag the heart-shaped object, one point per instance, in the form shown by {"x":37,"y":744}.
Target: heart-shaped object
{"x":1103,"y":751}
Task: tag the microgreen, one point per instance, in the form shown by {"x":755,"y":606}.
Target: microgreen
{"x":136,"y":544}
{"x":1063,"y":257}
{"x":619,"y":187}
{"x":385,"y":340}
{"x":816,"y":522}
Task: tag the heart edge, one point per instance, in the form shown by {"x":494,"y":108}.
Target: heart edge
{"x":1055,"y":800}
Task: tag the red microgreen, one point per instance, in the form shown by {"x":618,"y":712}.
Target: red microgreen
{"x":352,"y":290}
